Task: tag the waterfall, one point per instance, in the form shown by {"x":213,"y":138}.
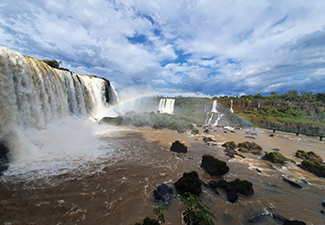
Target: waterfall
{"x":231,"y":110}
{"x":214,"y":106}
{"x":33,"y":94}
{"x":210,"y":115}
{"x":166,"y":105}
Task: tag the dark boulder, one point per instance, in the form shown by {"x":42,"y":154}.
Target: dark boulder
{"x":260,"y":218}
{"x":323,"y":204}
{"x":178,"y":147}
{"x":214,"y":166}
{"x":232,"y":196}
{"x":275,"y":157}
{"x":293,"y":222}
{"x":280,"y":219}
{"x":322,"y":212}
{"x":163,"y":195}
{"x":213,"y":184}
{"x":293,"y":184}
{"x":190,"y":182}
{"x":208,"y":139}
{"x":3,"y":157}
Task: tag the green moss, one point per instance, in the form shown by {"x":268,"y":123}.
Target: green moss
{"x":314,"y":167}
{"x":275,"y":157}
{"x":214,"y":166}
{"x":312,"y":156}
{"x":190,"y":182}
{"x":195,"y":131}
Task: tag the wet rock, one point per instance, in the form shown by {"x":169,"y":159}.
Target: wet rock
{"x":232,"y":196}
{"x":292,"y":161}
{"x":190,"y":182}
{"x":322,"y":212}
{"x":293,"y":222}
{"x":178,"y":147}
{"x":249,"y":137}
{"x":280,"y":219}
{"x":311,"y":156}
{"x":260,"y":218}
{"x":275,"y":149}
{"x":251,"y":133}
{"x":3,"y":157}
{"x":214,"y":166}
{"x":271,"y":185}
{"x":208,"y":139}
{"x":314,"y":167}
{"x":323,"y":204}
{"x":292,"y":183}
{"x":274,"y":157}
{"x":163,"y":195}
{"x":213,"y":184}
{"x":258,"y":170}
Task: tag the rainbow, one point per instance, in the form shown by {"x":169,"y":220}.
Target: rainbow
{"x":111,"y":108}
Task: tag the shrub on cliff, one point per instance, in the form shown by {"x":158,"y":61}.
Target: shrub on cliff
{"x":190,"y":182}
{"x":311,"y":156}
{"x":214,"y":166}
{"x":275,"y":157}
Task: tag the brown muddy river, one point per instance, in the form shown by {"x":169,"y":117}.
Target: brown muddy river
{"x":116,"y":186}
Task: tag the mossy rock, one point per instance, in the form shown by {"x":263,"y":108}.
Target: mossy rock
{"x":250,"y":147}
{"x":214,"y":166}
{"x":178,"y":147}
{"x":190,"y":182}
{"x":230,"y":144}
{"x":275,"y":157}
{"x":112,"y":120}
{"x":243,"y":187}
{"x":314,"y":167}
{"x":195,"y":131}
{"x":311,"y":156}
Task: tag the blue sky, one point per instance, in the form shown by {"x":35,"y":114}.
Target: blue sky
{"x":203,"y":48}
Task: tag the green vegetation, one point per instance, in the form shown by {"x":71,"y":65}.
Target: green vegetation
{"x":292,"y":112}
{"x":214,"y":166}
{"x":189,"y":183}
{"x":250,"y":147}
{"x":243,"y":186}
{"x":314,"y":167}
{"x":195,"y":131}
{"x":156,"y":121}
{"x":53,"y":63}
{"x":275,"y":157}
{"x":311,"y":156}
{"x":230,"y":144}
{"x":195,"y":212}
{"x":160,"y":220}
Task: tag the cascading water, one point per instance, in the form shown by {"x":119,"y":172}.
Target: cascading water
{"x":166,"y":105}
{"x":211,"y":114}
{"x":35,"y":96}
{"x":231,"y":110}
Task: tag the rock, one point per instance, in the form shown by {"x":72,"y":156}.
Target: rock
{"x":275,"y":149}
{"x":249,"y":137}
{"x":274,"y":157}
{"x":323,"y":204}
{"x":214,"y":166}
{"x":232,"y":196}
{"x":271,"y":185}
{"x":229,"y":145}
{"x":290,"y":160}
{"x":3,"y":157}
{"x":293,"y":222}
{"x":208,"y":139}
{"x":190,"y":182}
{"x":178,"y":147}
{"x":251,"y":147}
{"x":260,"y":218}
{"x":163,"y":195}
{"x":280,"y":219}
{"x":315,"y":167}
{"x":311,"y":156}
{"x":251,"y":133}
{"x":213,"y":184}
{"x":322,"y":212}
{"x":293,"y":184}
{"x":258,"y":170}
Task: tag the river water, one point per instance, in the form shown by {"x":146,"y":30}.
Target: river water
{"x":108,"y":177}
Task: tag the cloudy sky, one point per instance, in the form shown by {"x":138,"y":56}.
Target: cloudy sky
{"x":202,"y":47}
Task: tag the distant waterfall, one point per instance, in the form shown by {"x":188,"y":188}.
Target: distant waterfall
{"x":214,"y":112}
{"x":166,"y":105}
{"x":33,"y":93}
{"x":231,"y":110}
